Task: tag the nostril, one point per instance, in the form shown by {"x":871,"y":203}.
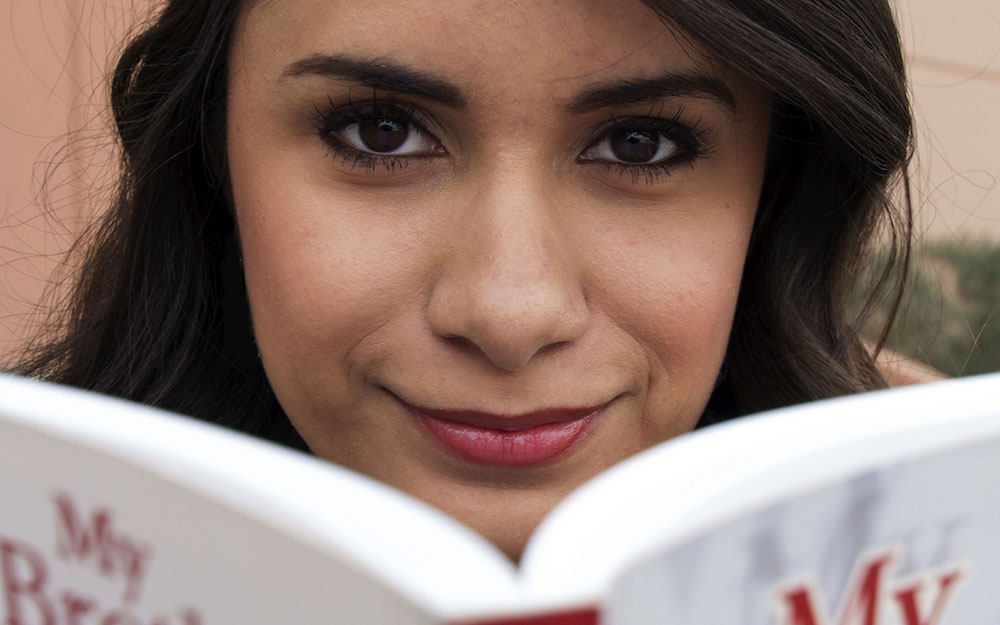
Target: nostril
{"x":508,"y":325}
{"x":552,"y":347}
{"x":460,"y":343}
{"x":509,"y":290}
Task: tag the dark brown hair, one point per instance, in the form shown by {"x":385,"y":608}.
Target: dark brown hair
{"x":159,"y":312}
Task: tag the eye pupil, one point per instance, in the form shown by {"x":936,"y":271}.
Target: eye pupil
{"x":383,"y":135}
{"x":634,"y":146}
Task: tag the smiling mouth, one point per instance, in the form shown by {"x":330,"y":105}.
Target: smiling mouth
{"x":508,"y":440}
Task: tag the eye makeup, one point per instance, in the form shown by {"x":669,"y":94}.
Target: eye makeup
{"x":382,"y":136}
{"x":647,"y":148}
{"x":377,"y":134}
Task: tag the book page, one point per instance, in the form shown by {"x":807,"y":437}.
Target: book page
{"x":913,"y":544}
{"x":114,"y":511}
{"x":672,"y":493}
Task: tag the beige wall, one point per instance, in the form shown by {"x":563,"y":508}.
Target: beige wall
{"x":54,"y":53}
{"x":954,"y":53}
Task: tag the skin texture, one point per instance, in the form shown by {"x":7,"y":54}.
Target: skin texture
{"x":508,"y":267}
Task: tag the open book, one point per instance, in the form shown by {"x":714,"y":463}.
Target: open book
{"x":877,"y":509}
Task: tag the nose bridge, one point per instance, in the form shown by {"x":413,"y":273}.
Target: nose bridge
{"x":511,"y":285}
{"x":518,"y":236}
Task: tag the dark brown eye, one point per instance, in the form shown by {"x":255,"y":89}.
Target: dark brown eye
{"x":386,"y":136}
{"x":383,"y":135}
{"x":634,"y":146}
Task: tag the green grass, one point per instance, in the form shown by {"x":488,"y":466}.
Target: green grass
{"x":950,"y":318}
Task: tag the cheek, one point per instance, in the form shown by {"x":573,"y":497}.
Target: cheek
{"x":685,"y":313}
{"x":319,"y":281}
{"x":673,"y":272}
{"x":673,"y":290}
{"x":308,"y":272}
{"x":682,"y":280}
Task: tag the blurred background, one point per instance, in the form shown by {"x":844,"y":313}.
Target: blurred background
{"x":57,"y":164}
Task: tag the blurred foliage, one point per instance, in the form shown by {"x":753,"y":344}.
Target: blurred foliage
{"x":950,"y":315}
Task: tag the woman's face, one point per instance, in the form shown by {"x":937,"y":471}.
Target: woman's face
{"x":491,"y":248}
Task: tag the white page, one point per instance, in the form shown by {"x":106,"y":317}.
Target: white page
{"x":910,"y":527}
{"x":648,"y":502}
{"x":674,"y":491}
{"x":245,"y":491}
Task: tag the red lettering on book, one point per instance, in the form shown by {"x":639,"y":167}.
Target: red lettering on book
{"x":907,"y":598}
{"x":28,"y":597}
{"x":191,"y":616}
{"x":24,"y":577}
{"x":867,"y":596}
{"x":119,"y":618}
{"x":76,"y":607}
{"x":115,"y":553}
{"x":859,"y":608}
{"x":188,"y":616}
{"x":863,"y":602}
{"x":801,"y":609}
{"x":75,"y":541}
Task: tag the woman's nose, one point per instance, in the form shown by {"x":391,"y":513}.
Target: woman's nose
{"x":510,"y":283}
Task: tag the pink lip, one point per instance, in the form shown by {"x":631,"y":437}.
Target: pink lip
{"x":508,"y":440}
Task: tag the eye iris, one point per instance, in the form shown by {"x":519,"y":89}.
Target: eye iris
{"x":634,"y":146}
{"x":383,"y":135}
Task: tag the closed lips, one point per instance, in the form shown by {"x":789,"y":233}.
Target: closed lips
{"x":508,"y":440}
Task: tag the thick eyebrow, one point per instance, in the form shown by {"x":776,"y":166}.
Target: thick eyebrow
{"x":379,"y":73}
{"x":638,"y":90}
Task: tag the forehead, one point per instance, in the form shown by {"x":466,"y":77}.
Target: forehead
{"x":488,"y":46}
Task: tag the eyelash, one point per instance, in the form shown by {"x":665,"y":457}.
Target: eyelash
{"x":691,"y":140}
{"x":332,"y":121}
